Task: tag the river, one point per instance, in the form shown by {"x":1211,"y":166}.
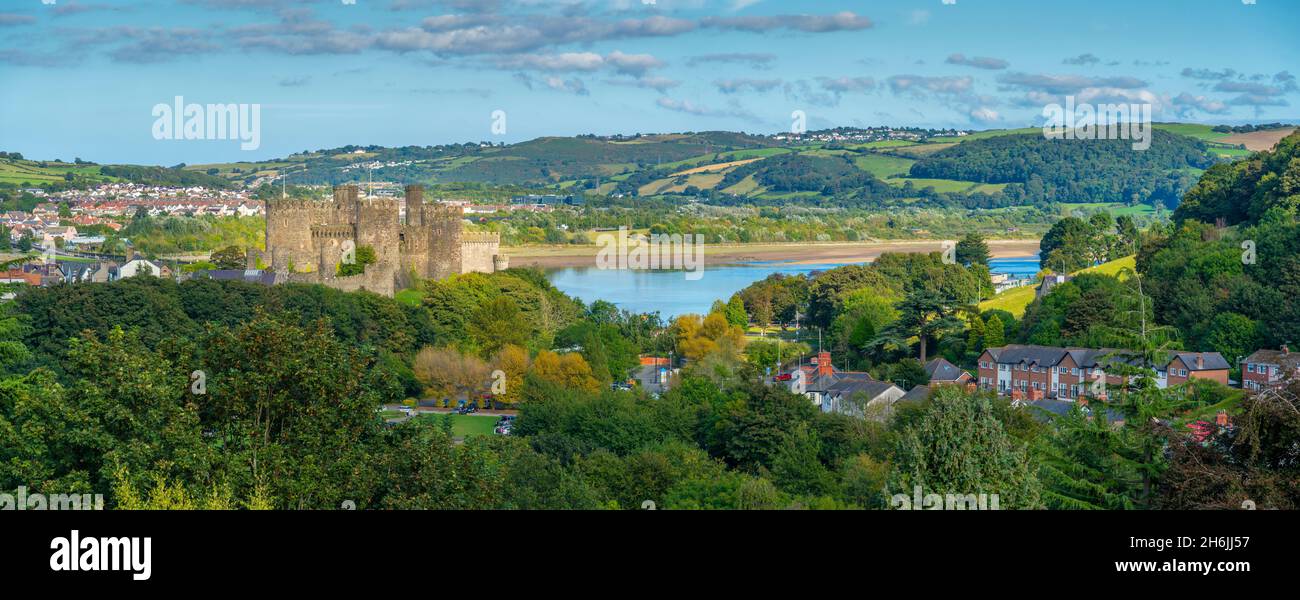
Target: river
{"x":671,"y":293}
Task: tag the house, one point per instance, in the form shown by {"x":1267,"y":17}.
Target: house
{"x":1269,"y":369}
{"x":859,"y":397}
{"x":137,"y":266}
{"x":1037,"y":372}
{"x":53,"y":233}
{"x":917,"y":394}
{"x":941,"y":371}
{"x":51,"y":273}
{"x":853,"y":393}
{"x":20,"y":276}
{"x":1050,"y":281}
{"x":654,"y":374}
{"x":1046,"y":409}
{"x":1185,"y":366}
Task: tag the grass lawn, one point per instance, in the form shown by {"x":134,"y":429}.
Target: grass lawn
{"x":883,"y":165}
{"x":947,"y":185}
{"x":466,"y":425}
{"x":1114,"y":208}
{"x":411,"y":296}
{"x":1016,"y":300}
{"x":1201,"y":132}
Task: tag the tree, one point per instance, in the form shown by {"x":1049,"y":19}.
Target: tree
{"x":763,"y":309}
{"x":993,"y":333}
{"x":1233,"y":335}
{"x":365,"y":255}
{"x":229,"y":258}
{"x":1253,"y":459}
{"x":447,"y":372}
{"x":499,"y":323}
{"x":925,"y":314}
{"x":972,"y":250}
{"x":569,"y":371}
{"x":957,"y":446}
{"x":735,"y":312}
{"x":975,"y":335}
{"x":1067,"y":246}
{"x":908,"y":373}
{"x":512,"y":361}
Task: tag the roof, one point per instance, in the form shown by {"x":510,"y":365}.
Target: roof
{"x":248,"y":275}
{"x":1274,"y":357}
{"x":1052,"y":407}
{"x":940,"y":369}
{"x":916,"y":394}
{"x":1213,"y":361}
{"x":1048,"y":356}
{"x":853,"y":386}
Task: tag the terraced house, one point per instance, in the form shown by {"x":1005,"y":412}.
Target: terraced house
{"x":1037,"y":372}
{"x":1267,"y":369}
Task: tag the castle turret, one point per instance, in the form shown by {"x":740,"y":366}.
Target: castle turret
{"x":415,"y":205}
{"x":500,"y":263}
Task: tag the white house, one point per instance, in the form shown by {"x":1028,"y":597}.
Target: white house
{"x":138,"y":266}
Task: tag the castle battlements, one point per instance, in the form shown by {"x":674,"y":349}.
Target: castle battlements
{"x":305,"y":239}
{"x":480,"y":237}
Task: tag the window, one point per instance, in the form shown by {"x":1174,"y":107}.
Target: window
{"x":1250,"y":367}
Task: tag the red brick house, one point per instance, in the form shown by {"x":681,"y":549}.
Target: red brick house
{"x":1195,"y":365}
{"x":1265,"y":369}
{"x":1038,"y":372}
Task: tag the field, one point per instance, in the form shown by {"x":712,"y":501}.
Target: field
{"x":715,"y":167}
{"x":1258,"y":140}
{"x":1114,"y":208}
{"x":947,"y":185}
{"x":883,"y":165}
{"x":1016,"y":300}
{"x":24,"y":172}
{"x":1204,"y":133}
{"x":465,"y":425}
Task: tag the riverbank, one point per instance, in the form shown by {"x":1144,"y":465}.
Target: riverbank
{"x":798,"y":254}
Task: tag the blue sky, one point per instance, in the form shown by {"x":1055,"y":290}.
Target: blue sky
{"x":79,"y":78}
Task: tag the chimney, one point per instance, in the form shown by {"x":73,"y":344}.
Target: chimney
{"x":1221,"y":419}
{"x":824,"y":363}
{"x":1200,"y":361}
{"x":1285,"y":351}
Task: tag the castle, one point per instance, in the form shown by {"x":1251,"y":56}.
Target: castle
{"x":307,"y":240}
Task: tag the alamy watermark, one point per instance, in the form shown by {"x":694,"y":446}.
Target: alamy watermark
{"x":1083,"y":121}
{"x":922,"y":501}
{"x":181,"y":121}
{"x":24,"y":501}
{"x":654,"y":252}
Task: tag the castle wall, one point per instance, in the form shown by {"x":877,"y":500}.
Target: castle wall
{"x":305,"y":240}
{"x":478,"y":251}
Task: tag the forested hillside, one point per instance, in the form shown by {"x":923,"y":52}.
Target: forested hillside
{"x":1075,"y":170}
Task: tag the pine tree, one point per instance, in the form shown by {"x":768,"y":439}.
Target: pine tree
{"x":994,"y":334}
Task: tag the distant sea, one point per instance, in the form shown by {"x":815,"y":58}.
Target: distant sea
{"x":670,"y":294}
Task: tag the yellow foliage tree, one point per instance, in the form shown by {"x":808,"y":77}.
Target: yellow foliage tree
{"x":513,"y":362}
{"x":568,"y":370}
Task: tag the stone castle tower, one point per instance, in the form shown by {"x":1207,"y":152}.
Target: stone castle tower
{"x":306,"y":241}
